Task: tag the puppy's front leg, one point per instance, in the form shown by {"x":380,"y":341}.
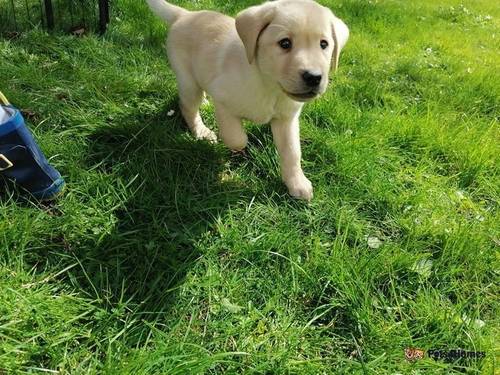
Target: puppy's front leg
{"x":286,"y":135}
{"x":230,"y":128}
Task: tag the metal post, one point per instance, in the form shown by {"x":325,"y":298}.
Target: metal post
{"x":42,"y":19}
{"x":49,"y":12}
{"x":103,"y":15}
{"x":13,"y":14}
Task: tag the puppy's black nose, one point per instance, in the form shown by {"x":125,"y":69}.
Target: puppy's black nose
{"x":311,"y":79}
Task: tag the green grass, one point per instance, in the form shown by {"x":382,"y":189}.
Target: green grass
{"x":168,"y":255}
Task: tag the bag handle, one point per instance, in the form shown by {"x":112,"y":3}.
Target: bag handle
{"x":3,"y":99}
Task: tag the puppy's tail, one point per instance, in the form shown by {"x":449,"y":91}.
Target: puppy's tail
{"x":166,"y":11}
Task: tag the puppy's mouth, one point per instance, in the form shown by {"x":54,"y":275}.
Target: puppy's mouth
{"x":303,"y":96}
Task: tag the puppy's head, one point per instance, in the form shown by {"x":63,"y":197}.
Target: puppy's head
{"x":294,"y":43}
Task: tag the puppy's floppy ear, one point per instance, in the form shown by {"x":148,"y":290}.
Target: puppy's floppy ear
{"x":340,"y":33}
{"x":250,"y":23}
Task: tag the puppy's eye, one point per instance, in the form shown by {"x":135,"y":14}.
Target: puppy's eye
{"x":324,"y":44}
{"x":286,"y":43}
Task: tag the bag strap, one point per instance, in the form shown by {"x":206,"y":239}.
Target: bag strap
{"x":3,"y":99}
{"x":4,"y":162}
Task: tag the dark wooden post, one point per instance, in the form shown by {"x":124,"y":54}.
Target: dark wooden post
{"x":49,"y":12}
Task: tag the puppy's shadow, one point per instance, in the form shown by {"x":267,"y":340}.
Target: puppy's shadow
{"x":170,"y":190}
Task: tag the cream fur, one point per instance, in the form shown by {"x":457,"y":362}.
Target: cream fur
{"x":240,"y":64}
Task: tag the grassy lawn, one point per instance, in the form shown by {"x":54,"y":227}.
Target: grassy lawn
{"x":168,"y":255}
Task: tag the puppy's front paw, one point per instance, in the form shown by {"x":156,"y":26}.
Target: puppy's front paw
{"x":236,"y":142}
{"x":204,"y":133}
{"x":300,"y":187}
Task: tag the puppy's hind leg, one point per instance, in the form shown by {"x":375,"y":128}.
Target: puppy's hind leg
{"x":191,"y":96}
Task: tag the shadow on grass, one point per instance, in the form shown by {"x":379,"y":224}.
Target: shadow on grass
{"x":170,"y":194}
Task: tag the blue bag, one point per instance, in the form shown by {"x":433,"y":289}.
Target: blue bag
{"x":22,"y":161}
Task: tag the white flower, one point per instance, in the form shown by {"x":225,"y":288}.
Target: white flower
{"x":423,"y":267}
{"x":374,"y":242}
{"x":170,"y":113}
{"x":478,"y":323}
{"x":231,"y":307}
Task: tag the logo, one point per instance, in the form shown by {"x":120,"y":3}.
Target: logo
{"x":414,"y":354}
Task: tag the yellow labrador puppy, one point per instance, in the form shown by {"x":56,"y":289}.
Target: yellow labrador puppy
{"x":262,"y":67}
